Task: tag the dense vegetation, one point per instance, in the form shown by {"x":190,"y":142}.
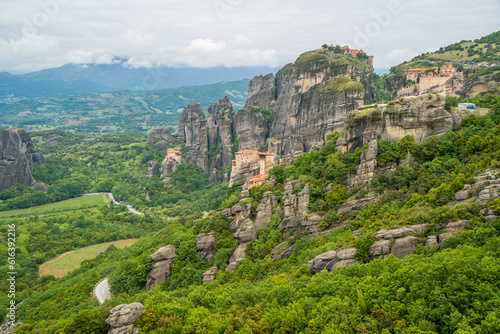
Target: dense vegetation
{"x":483,"y":50}
{"x":454,"y":290}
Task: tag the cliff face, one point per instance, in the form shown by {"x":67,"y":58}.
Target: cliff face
{"x":220,"y":137}
{"x":250,"y":127}
{"x":211,"y":141}
{"x":193,"y":131}
{"x":421,"y":117}
{"x":311,"y":98}
{"x":16,"y":159}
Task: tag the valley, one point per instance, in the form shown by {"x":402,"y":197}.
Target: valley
{"x":321,"y":199}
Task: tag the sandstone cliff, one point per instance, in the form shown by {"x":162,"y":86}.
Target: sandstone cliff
{"x":311,"y":98}
{"x":192,"y":130}
{"x":16,"y":159}
{"x":420,"y":117}
{"x":220,"y":138}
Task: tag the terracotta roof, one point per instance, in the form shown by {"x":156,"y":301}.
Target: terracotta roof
{"x":173,"y":151}
{"x":258,"y":178}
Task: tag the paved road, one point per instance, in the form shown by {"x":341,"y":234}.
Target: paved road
{"x":115,"y":202}
{"x":102,"y":291}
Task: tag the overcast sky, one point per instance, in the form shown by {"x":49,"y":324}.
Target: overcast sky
{"x":38,"y":34}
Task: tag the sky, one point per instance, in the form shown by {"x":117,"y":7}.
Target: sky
{"x":39,"y":34}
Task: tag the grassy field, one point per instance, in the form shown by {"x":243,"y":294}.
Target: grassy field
{"x":68,"y":205}
{"x":66,"y":262}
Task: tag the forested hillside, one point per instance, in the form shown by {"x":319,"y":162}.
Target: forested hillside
{"x":451,"y":287}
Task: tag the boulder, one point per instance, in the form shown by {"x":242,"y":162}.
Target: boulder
{"x":347,"y":254}
{"x":122,"y":318}
{"x":162,"y":266}
{"x":205,"y":243}
{"x":431,"y":241}
{"x":379,"y":248}
{"x":159,"y":134}
{"x":395,"y":233}
{"x":210,"y":274}
{"x":285,"y":255}
{"x":153,"y":169}
{"x":404,"y":246}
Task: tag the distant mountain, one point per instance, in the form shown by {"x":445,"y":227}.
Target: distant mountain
{"x":73,"y":80}
{"x":116,"y":111}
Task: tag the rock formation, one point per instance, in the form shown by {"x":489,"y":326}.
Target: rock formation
{"x":211,"y":142}
{"x":250,"y":128}
{"x":332,"y":260}
{"x":295,"y":207}
{"x":292,"y":112}
{"x":205,"y":243}
{"x":193,"y":131}
{"x":420,"y":117}
{"x":158,"y":135}
{"x":163,"y":259}
{"x":399,"y":242}
{"x":310,"y":99}
{"x":210,"y":274}
{"x":122,"y":318}
{"x":153,"y":169}
{"x":16,"y":159}
{"x":220,"y":137}
{"x":244,"y":229}
{"x":366,"y":169}
{"x":484,"y":190}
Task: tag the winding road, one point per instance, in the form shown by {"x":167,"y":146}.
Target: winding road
{"x":101,"y":291}
{"x":115,"y":202}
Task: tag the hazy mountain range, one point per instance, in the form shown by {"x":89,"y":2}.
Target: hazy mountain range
{"x":74,"y":79}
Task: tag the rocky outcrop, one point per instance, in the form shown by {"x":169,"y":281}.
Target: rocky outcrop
{"x":250,"y":127}
{"x":192,"y":130}
{"x":205,"y":243}
{"x":158,"y":135}
{"x":332,"y":260}
{"x":484,"y":190}
{"x":262,"y":91}
{"x":244,"y":229}
{"x":310,"y":98}
{"x":168,"y":165}
{"x":153,"y":169}
{"x":122,"y":318}
{"x":399,"y":242}
{"x":366,"y":169}
{"x":163,"y":259}
{"x":210,"y":274}
{"x":482,"y":84}
{"x":6,"y":329}
{"x":420,"y":117}
{"x":220,"y":136}
{"x":243,"y":173}
{"x":295,"y":207}
{"x":16,"y":159}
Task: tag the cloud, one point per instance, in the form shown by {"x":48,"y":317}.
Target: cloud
{"x":79,"y":57}
{"x":209,"y":53}
{"x":251,"y":32}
